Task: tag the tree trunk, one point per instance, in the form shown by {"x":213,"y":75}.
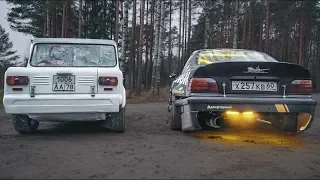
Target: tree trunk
{"x":48,"y":23}
{"x":289,"y":48}
{"x":282,"y":45}
{"x":54,"y":22}
{"x":301,"y":34}
{"x":318,"y":63}
{"x":248,"y":44}
{"x":243,"y":44}
{"x":267,"y":40}
{"x":51,"y":17}
{"x":132,"y":68}
{"x":139,"y":63}
{"x":189,"y":27}
{"x":45,"y":21}
{"x":261,"y":32}
{"x":232,"y":18}
{"x":111,"y":15}
{"x":235,"y":28}
{"x":85,"y":24}
{"x":285,"y":45}
{"x":179,"y":44}
{"x":152,"y":42}
{"x":206,"y":32}
{"x":156,"y":63}
{"x":80,"y":19}
{"x":170,"y":37}
{"x":160,"y":46}
{"x":147,"y":47}
{"x":150,"y":66}
{"x":226,"y":27}
{"x":120,"y":30}
{"x":183,"y":29}
{"x":64,"y":19}
{"x":116,"y":33}
{"x":186,"y":30}
{"x":125,"y":42}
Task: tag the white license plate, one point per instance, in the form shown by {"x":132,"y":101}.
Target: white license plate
{"x":254,"y":86}
{"x":63,"y":83}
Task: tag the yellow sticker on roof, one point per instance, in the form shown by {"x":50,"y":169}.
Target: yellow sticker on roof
{"x":202,"y":60}
{"x":224,"y":55}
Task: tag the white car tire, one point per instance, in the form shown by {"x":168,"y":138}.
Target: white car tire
{"x":23,"y":124}
{"x":116,"y":121}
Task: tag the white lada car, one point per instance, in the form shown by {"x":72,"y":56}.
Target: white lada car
{"x":66,"y":80}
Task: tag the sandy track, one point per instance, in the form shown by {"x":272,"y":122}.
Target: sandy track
{"x":149,"y":149}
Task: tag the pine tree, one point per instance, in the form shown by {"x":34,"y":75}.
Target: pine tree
{"x":8,"y":56}
{"x":28,"y":17}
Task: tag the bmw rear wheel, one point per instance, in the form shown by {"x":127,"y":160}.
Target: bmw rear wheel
{"x":287,"y":123}
{"x":175,"y":117}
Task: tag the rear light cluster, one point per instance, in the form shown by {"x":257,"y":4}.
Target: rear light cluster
{"x":301,"y":87}
{"x":203,"y":85}
{"x":17,"y":80}
{"x":108,"y":81}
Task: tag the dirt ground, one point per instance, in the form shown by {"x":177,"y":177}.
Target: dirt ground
{"x":149,"y":149}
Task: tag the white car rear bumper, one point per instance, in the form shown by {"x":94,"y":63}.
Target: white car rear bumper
{"x":64,"y":103}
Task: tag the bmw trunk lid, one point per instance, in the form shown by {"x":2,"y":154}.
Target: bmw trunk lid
{"x":253,"y":77}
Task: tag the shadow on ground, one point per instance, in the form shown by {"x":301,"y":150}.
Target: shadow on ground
{"x":69,"y":128}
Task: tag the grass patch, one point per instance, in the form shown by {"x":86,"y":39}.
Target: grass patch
{"x":148,"y":97}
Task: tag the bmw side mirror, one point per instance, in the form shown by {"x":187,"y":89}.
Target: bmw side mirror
{"x":172,"y":75}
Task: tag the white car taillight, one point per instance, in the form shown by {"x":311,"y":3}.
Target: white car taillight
{"x":17,"y":80}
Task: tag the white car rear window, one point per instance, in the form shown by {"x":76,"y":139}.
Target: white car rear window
{"x":73,"y":55}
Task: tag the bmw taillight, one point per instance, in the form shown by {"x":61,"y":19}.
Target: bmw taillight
{"x":108,"y":81}
{"x":203,"y":85}
{"x":301,"y":87}
{"x":17,"y":80}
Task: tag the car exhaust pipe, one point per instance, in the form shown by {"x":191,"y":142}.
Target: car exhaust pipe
{"x":214,"y":121}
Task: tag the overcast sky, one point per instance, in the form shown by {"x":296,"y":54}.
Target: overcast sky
{"x":20,"y":41}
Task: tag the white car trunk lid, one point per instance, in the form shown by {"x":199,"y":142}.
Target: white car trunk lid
{"x":64,"y":80}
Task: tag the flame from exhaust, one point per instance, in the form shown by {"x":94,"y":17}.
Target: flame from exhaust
{"x":267,"y":138}
{"x":232,"y":112}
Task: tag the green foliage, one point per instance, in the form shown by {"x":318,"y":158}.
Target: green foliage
{"x":30,"y":17}
{"x":100,"y":15}
{"x":27,"y":16}
{"x":8,"y":57}
{"x":285,"y":17}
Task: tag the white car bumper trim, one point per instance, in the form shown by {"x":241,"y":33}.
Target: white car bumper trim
{"x":76,"y":103}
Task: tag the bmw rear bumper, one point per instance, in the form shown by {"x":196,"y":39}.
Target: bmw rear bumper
{"x":189,"y":107}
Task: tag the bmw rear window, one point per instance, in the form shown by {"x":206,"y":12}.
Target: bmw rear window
{"x":214,"y":56}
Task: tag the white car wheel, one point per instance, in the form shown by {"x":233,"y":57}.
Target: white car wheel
{"x":116,"y":121}
{"x":23,"y":124}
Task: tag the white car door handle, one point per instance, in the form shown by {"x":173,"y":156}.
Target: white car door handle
{"x":64,"y":72}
